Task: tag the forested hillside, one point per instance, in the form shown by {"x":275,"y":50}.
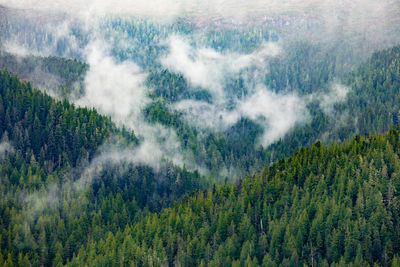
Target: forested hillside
{"x":60,"y":76}
{"x":371,"y":105}
{"x":46,"y":150}
{"x":306,"y":69}
{"x":335,"y":205}
{"x":324,"y":205}
{"x":198,"y":136}
{"x":55,"y":133}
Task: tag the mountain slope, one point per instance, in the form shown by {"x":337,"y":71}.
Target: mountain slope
{"x":324,"y":206}
{"x":67,"y":198}
{"x":49,"y":196}
{"x":60,"y":76}
{"x":371,"y":105}
{"x":54,"y":132}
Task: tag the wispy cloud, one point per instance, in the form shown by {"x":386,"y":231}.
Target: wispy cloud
{"x":209,"y":69}
{"x":5,"y":149}
{"x":336,"y":94}
{"x":277,"y":113}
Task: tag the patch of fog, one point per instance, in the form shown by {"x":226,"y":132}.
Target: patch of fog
{"x":209,"y":69}
{"x":277,"y":113}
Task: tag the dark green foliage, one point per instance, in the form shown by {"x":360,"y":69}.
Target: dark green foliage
{"x":373,"y":98}
{"x":375,"y":91}
{"x":46,"y":211}
{"x":307,"y":68}
{"x":55,"y":133}
{"x":173,"y":87}
{"x":325,"y":205}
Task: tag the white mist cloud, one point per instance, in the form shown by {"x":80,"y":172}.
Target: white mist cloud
{"x":113,"y":155}
{"x":207,"y":116}
{"x":156,"y":8}
{"x":201,"y":68}
{"x":337,"y":93}
{"x":5,"y":149}
{"x":109,"y":155}
{"x":161,"y":143}
{"x":117,"y":89}
{"x":277,"y":113}
{"x":210,"y":69}
{"x":44,"y":38}
{"x":16,"y":49}
{"x":281,"y":113}
{"x":113,"y":88}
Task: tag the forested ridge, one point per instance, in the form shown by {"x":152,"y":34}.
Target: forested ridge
{"x":46,"y":147}
{"x":304,"y":69}
{"x":371,"y":106}
{"x":336,"y":205}
{"x":63,"y":77}
{"x":72,"y":192}
{"x":325,"y":205}
{"x":53,"y":132}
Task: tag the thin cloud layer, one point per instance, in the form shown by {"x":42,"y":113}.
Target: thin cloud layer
{"x":372,"y":21}
{"x":223,"y":8}
{"x":336,"y":94}
{"x":277,"y":113}
{"x":117,"y":89}
{"x":210,"y":69}
{"x":5,"y":149}
{"x":280,"y":112}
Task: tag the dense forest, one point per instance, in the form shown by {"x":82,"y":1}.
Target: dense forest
{"x":45,"y":150}
{"x":371,"y":106}
{"x":324,"y":206}
{"x":217,"y":150}
{"x":81,"y":185}
{"x":305,"y":68}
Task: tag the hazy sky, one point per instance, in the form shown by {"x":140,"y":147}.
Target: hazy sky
{"x":227,"y":8}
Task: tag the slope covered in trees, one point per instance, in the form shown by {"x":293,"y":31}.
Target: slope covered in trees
{"x":66,"y":200}
{"x":48,"y":152}
{"x":60,"y":76}
{"x":371,"y":105}
{"x":53,"y":132}
{"x":304,"y":68}
{"x":336,"y":205}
